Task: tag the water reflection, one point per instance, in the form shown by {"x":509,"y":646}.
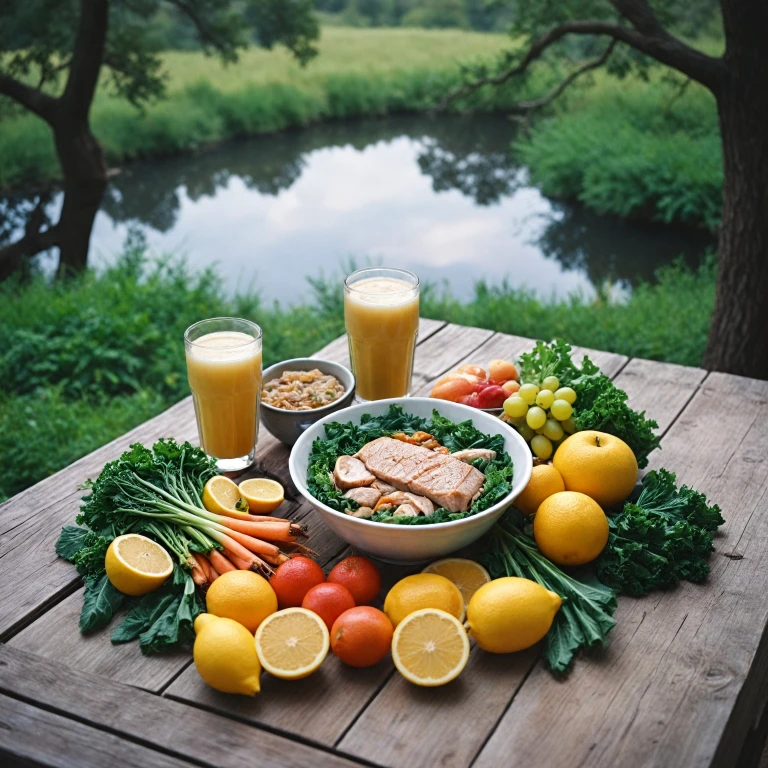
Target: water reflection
{"x":443,"y":198}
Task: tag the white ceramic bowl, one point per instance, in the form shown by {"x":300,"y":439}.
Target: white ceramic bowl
{"x":412,"y":543}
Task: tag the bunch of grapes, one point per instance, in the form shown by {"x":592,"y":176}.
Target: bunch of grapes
{"x":542,"y":415}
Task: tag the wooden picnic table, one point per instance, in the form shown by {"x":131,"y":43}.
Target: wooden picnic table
{"x":684,"y":681}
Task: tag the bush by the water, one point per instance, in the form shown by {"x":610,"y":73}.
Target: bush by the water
{"x":635,"y":149}
{"x":86,"y":360}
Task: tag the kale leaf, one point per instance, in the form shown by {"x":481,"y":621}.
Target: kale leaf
{"x":660,"y":539}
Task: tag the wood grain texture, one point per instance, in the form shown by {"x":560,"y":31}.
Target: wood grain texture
{"x":185,"y":732}
{"x":32,"y":736}
{"x":684,"y":678}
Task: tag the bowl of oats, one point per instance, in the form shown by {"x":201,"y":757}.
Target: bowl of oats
{"x":297,"y":393}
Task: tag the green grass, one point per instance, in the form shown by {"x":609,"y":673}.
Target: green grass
{"x":358,"y":72}
{"x":86,"y":360}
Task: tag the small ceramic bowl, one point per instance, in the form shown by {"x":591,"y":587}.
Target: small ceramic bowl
{"x":288,"y":426}
{"x":413,"y":543}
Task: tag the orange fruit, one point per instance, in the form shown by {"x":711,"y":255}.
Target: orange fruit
{"x":545,"y":480}
{"x":362,"y":636}
{"x":570,"y":528}
{"x":293,"y":579}
{"x":598,"y":464}
{"x":360,"y":576}
{"x":328,"y":601}
{"x":242,"y":596}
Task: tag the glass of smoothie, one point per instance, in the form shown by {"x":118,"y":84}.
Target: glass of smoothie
{"x":224,"y":370}
{"x":381,"y":314}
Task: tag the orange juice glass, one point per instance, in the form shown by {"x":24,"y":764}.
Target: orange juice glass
{"x":224,"y":370}
{"x":381,"y":314}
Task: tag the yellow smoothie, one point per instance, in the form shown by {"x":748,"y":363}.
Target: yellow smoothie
{"x":224,"y":370}
{"x":382,"y":319}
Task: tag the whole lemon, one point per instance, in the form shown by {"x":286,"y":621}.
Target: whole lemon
{"x":570,"y":528}
{"x":545,"y":480}
{"x":511,"y":614}
{"x":598,"y":464}
{"x":243,"y":596}
{"x":225,"y":655}
{"x":423,"y":590}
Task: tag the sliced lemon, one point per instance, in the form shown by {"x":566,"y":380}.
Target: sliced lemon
{"x":221,"y":495}
{"x":262,"y":494}
{"x":137,"y":565}
{"x":430,"y":647}
{"x":292,"y":643}
{"x":467,"y":575}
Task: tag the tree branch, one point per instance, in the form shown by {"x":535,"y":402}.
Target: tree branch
{"x":34,"y":100}
{"x":207,"y":35}
{"x":660,"y":46}
{"x":87,"y":55}
{"x":588,"y":66}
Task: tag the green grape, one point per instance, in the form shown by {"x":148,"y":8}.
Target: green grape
{"x":516,"y":421}
{"x":515,"y":407}
{"x":561,"y":410}
{"x":568,"y":425}
{"x":541,"y":447}
{"x":528,"y":392}
{"x":567,"y":394}
{"x":553,"y":430}
{"x":536,"y":417}
{"x":551,"y":383}
{"x":545,"y":398}
{"x":526,"y":433}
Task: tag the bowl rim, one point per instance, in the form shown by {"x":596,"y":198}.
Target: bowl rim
{"x":304,"y":491}
{"x":323,"y":409}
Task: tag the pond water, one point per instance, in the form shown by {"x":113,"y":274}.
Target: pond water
{"x":441,"y":197}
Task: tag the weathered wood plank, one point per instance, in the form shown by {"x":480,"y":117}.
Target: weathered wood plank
{"x":186,"y":732}
{"x":32,"y":736}
{"x":666,"y":388}
{"x":684,"y":677}
{"x":447,"y":738}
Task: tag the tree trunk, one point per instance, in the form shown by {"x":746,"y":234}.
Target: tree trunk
{"x":738,"y":337}
{"x":85,"y":179}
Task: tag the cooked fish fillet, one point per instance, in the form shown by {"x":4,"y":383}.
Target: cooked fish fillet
{"x":385,"y":488}
{"x":349,"y":472}
{"x":445,"y":480}
{"x":365,"y":497}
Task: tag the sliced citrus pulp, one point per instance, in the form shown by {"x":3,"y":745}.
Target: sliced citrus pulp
{"x":430,"y":647}
{"x":262,"y":494}
{"x":137,"y":565}
{"x":221,"y":495}
{"x":467,"y":575}
{"x":292,"y":643}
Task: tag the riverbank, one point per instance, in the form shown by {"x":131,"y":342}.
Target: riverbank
{"x":86,"y":360}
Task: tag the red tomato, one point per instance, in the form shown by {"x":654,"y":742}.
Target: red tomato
{"x":492,"y":397}
{"x":472,"y":400}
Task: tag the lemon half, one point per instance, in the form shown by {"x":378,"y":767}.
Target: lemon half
{"x":221,"y":495}
{"x":262,"y":494}
{"x":467,"y":575}
{"x":137,"y":565}
{"x":292,"y":643}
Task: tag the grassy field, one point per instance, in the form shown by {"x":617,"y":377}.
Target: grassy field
{"x":358,"y":72}
{"x":86,"y":360}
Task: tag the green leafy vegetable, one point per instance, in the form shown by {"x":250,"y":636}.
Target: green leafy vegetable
{"x":71,"y":541}
{"x":662,"y":538}
{"x":347,"y":439}
{"x":100,"y":602}
{"x":600,"y":404}
{"x":586,"y":616}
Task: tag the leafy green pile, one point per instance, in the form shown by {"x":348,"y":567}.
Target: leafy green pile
{"x":600,"y":404}
{"x":348,"y":438}
{"x":586,"y":615}
{"x":144,"y":491}
{"x":662,"y":538}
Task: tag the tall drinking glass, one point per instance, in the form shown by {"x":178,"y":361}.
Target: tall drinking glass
{"x":224,"y":370}
{"x":381,"y":313}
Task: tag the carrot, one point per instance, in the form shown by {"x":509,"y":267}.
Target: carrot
{"x":220,"y":562}
{"x":198,"y":576}
{"x":251,"y":563}
{"x":205,"y":567}
{"x":285,"y":530}
{"x":256,"y":546}
{"x":239,"y":563}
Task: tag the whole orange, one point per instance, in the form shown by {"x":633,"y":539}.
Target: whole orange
{"x":570,"y":528}
{"x":598,"y":464}
{"x":293,"y":579}
{"x":545,"y":480}
{"x":360,"y":576}
{"x":328,"y":601}
{"x":362,"y":636}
